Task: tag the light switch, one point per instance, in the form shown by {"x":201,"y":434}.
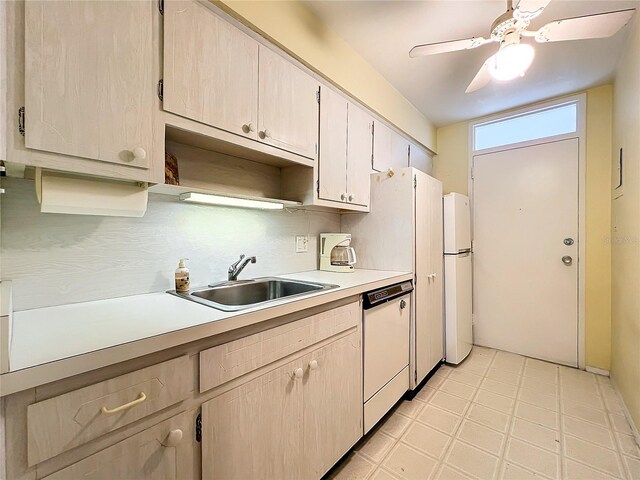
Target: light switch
{"x":302,"y":241}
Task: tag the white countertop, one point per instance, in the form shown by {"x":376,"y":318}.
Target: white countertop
{"x":51,"y":343}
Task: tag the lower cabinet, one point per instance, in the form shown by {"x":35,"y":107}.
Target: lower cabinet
{"x":295,"y":421}
{"x":165,"y":451}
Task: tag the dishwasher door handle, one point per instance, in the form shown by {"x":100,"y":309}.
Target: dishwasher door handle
{"x":403,"y":304}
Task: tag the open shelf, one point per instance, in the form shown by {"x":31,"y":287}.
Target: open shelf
{"x":207,"y":172}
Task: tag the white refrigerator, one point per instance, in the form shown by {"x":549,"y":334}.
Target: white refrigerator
{"x":403,"y":232}
{"x":457,"y":278}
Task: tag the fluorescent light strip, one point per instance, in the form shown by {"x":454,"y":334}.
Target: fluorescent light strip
{"x":209,"y":199}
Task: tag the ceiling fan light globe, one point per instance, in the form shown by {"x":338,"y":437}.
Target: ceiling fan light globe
{"x":511,"y":61}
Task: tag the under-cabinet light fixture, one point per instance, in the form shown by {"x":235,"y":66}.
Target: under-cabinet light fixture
{"x":210,"y":199}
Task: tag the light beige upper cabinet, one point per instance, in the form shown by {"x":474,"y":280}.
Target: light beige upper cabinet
{"x":89,"y":82}
{"x":399,"y":151}
{"x":332,"y":161}
{"x":420,"y":159}
{"x":359,"y":152}
{"x":210,"y":69}
{"x":165,"y":451}
{"x":287,"y":105}
{"x":344,"y":163}
{"x":390,"y":150}
{"x":295,"y":421}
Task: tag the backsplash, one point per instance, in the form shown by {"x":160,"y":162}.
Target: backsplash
{"x":56,"y":259}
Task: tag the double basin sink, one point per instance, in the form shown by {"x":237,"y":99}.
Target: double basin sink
{"x":242,"y":294}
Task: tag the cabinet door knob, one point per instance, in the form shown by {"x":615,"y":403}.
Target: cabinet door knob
{"x":173,"y":439}
{"x":139,"y":153}
{"x":248,"y":127}
{"x":313,"y":364}
{"x":298,"y":373}
{"x":343,"y":196}
{"x":351,"y":197}
{"x":264,"y":134}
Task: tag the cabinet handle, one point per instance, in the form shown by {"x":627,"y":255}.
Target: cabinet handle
{"x":173,"y":439}
{"x":298,"y":373}
{"x":351,"y":197}
{"x":264,"y":134}
{"x":343,"y":196}
{"x":248,"y":127}
{"x":139,"y":153}
{"x":141,"y":398}
{"x":313,"y":364}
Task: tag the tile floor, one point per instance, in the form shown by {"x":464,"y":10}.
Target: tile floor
{"x":500,"y":415}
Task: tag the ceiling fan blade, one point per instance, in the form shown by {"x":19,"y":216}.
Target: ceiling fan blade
{"x":528,"y":9}
{"x":600,"y":25}
{"x":482,"y":78}
{"x":443,"y":47}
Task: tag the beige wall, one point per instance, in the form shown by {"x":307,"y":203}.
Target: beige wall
{"x":297,"y":30}
{"x":625,"y":322}
{"x":451,"y":166}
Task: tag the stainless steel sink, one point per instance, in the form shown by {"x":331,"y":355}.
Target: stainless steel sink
{"x":238,"y":295}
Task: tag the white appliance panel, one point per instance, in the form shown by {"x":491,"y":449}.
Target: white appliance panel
{"x":457,"y":223}
{"x":386,"y":343}
{"x":458,"y":301}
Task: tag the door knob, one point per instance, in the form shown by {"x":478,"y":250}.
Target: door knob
{"x":173,"y":439}
{"x":567,"y":260}
{"x":568,"y":241}
{"x":248,"y":127}
{"x":403,"y":304}
{"x":343,"y":196}
{"x":313,"y":364}
{"x":298,"y":373}
{"x":264,"y":134}
{"x":351,"y":197}
{"x":139,"y":153}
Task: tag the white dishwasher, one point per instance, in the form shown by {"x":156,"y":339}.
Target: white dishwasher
{"x":386,"y":321}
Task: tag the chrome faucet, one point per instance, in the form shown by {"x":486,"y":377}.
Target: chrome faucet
{"x":236,"y":268}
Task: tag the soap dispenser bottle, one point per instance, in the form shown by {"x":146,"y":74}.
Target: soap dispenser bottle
{"x":182,"y":277}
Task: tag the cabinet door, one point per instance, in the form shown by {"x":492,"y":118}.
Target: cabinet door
{"x":210,"y":69}
{"x":164,"y":451}
{"x":88,"y":79}
{"x":436,"y":260}
{"x":420,"y":159}
{"x":399,"y":151}
{"x":288,"y":106}
{"x":332,"y":403}
{"x":381,"y":147}
{"x":360,"y":149}
{"x":332,"y":162}
{"x":422,"y":294}
{"x":255,"y":430}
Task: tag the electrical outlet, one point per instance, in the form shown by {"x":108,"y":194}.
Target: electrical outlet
{"x":302,"y":242}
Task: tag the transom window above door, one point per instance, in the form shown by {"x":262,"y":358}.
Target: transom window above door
{"x":561,"y":119}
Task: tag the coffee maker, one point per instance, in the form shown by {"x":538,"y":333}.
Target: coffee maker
{"x":336,"y":252}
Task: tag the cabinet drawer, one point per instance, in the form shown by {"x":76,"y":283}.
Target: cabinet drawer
{"x":69,"y":420}
{"x":225,"y":362}
{"x":165,"y":451}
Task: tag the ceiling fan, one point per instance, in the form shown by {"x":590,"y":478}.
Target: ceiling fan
{"x":513,"y":58}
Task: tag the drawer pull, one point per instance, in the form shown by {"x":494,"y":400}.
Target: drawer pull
{"x":141,"y":398}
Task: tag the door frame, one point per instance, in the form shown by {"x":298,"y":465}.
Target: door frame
{"x":580,"y":100}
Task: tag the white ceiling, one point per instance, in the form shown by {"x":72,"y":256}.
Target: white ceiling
{"x":383,"y":32}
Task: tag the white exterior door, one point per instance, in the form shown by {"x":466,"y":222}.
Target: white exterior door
{"x":526,"y":250}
